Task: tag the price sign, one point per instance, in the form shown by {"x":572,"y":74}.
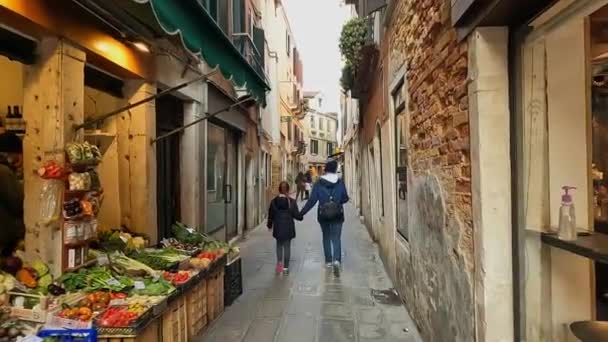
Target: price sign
{"x":190,"y":230}
{"x":113,"y":282}
{"x":118,"y":302}
{"x":102,"y":260}
{"x":139,"y":285}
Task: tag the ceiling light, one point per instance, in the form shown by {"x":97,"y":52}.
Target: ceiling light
{"x":141,"y":46}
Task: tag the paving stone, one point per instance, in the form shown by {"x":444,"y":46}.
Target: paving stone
{"x":304,"y":305}
{"x":335,"y":310}
{"x":370,"y":316}
{"x":297,"y":328}
{"x":262,"y":330}
{"x":336,"y":331}
{"x":311,"y":304}
{"x":271,"y":308}
{"x":335,"y":296}
{"x":371,"y":332}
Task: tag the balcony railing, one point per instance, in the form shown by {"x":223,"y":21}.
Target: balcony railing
{"x":244,"y":43}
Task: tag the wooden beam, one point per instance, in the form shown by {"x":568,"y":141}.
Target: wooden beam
{"x":53,"y":102}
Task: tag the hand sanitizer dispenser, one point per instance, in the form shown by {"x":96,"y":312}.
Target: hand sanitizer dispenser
{"x":567,"y":219}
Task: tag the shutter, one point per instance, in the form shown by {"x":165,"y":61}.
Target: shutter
{"x":259,"y":40}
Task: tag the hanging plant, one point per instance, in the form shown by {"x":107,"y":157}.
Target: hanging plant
{"x":352,"y":40}
{"x":347,"y":80}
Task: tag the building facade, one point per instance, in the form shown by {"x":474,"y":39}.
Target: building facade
{"x":198,"y":146}
{"x":463,"y":108}
{"x":322,"y":130}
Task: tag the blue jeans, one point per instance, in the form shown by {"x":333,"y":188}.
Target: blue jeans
{"x":332,"y":243}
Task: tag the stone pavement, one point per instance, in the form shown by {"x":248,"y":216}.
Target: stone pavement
{"x":311,"y":304}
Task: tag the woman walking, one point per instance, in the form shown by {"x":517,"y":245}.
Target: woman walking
{"x":281,"y":214}
{"x":300,"y":181}
{"x":331,"y":194}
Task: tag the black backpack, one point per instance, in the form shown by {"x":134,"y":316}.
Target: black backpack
{"x":330,"y":210}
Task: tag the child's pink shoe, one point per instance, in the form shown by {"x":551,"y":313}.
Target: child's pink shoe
{"x":280,"y":268}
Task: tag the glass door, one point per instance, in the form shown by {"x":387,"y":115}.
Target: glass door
{"x":231,"y":186}
{"x":216,"y":171}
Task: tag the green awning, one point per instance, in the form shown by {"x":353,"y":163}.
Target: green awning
{"x":201,"y":35}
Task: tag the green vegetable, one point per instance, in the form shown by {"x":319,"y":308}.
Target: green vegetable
{"x":161,"y":259}
{"x":124,"y":265}
{"x":45,"y":281}
{"x":183,"y":234}
{"x":154,"y":287}
{"x":95,"y":279}
{"x":40,"y":267}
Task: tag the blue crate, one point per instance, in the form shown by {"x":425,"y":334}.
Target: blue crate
{"x":67,"y":335}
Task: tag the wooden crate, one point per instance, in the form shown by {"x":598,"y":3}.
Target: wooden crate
{"x":149,"y":334}
{"x":196,"y":307}
{"x":174,"y":322}
{"x":211,"y":296}
{"x":215,"y":294}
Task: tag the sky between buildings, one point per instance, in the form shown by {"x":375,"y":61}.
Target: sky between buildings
{"x":316,"y":25}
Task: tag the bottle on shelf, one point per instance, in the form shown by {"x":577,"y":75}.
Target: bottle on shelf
{"x":9,"y":119}
{"x":567,"y":217}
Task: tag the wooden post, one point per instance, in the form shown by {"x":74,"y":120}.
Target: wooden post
{"x":53,"y":103}
{"x":137,"y":161}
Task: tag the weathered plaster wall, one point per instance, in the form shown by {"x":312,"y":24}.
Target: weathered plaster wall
{"x":436,"y":267}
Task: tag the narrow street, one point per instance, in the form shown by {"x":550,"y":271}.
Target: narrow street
{"x":310,"y":304}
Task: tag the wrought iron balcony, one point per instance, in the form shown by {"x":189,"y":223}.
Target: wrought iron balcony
{"x":252,"y":53}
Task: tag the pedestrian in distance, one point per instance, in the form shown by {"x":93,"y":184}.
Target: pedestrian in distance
{"x":300,"y":184}
{"x":308,"y":183}
{"x":331,"y":194}
{"x":282,"y":212}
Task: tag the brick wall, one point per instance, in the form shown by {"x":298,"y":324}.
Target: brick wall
{"x":437,"y":278}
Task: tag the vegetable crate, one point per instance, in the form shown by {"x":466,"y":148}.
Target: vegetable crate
{"x":82,"y":335}
{"x":196,"y":305}
{"x":175,"y":322}
{"x":233,"y":281}
{"x":215,"y":294}
{"x":149,"y":334}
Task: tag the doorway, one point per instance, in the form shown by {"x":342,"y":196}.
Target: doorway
{"x":169,"y":116}
{"x":222,"y":177}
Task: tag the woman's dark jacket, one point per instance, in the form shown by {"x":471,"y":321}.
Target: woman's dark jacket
{"x":281,"y":215}
{"x":321,"y":192}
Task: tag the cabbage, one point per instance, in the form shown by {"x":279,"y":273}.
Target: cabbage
{"x":41,"y":268}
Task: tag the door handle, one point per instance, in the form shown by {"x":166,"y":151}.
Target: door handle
{"x":228,"y":193}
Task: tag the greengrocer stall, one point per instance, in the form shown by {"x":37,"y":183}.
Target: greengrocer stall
{"x":122,"y":289}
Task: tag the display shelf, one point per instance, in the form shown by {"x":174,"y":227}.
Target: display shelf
{"x":589,"y":245}
{"x":101,"y":139}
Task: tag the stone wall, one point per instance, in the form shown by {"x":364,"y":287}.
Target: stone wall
{"x":437,"y":272}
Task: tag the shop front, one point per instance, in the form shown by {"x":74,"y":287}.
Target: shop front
{"x":548,"y":63}
{"x":101,"y":172}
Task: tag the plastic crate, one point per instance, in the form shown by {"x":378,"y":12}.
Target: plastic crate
{"x":233,"y":281}
{"x":78,"y":335}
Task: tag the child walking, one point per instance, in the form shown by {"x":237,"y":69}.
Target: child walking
{"x":281,"y":214}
